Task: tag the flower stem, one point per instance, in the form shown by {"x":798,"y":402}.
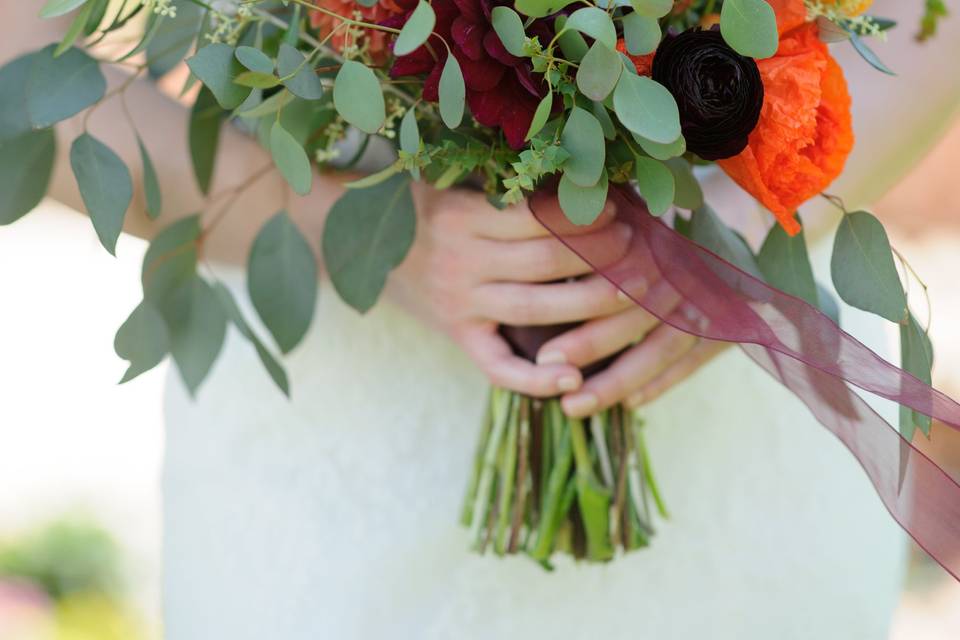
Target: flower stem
{"x":501,"y":403}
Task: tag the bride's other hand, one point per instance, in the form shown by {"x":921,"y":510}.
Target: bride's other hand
{"x":473,"y":268}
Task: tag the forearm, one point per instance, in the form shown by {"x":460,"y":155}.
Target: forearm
{"x":162,"y":123}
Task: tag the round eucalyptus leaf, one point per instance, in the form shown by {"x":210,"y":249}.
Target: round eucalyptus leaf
{"x":58,"y":88}
{"x":652,"y":8}
{"x":660,"y":151}
{"x":541,"y":115}
{"x":582,"y":205}
{"x":217,"y":68}
{"x":14,"y":119}
{"x":785,"y":264}
{"x":509,"y":28}
{"x":583,"y":139}
{"x":297,"y":75}
{"x":863,"y":269}
{"x":453,"y":93}
{"x":641,"y":33}
{"x":646,"y":108}
{"x":256,"y":80}
{"x":358,"y":97}
{"x":750,"y":27}
{"x":151,"y":186}
{"x":282,"y":281}
{"x":410,"y":133}
{"x":541,"y":8}
{"x":594,"y":22}
{"x":656,"y":184}
{"x":688,"y":194}
{"x":290,"y":159}
{"x":254,"y":59}
{"x":105,"y":186}
{"x":26,"y":164}
{"x":416,"y":29}
{"x":599,"y":71}
{"x":171,"y":259}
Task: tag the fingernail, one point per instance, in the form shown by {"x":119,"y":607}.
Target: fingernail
{"x":551,"y":357}
{"x":622,"y":297}
{"x":568,"y":383}
{"x":581,"y":405}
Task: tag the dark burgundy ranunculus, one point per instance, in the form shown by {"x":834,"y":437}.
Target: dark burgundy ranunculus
{"x":719,"y":92}
{"x":502,"y":90}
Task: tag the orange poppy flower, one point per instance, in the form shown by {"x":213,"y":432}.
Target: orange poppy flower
{"x":805,"y":133}
{"x":377,"y":42}
{"x":643,"y":64}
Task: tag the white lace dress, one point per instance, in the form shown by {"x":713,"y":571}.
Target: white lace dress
{"x":334,"y":516}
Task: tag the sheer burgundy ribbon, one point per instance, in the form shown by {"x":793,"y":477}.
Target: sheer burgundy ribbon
{"x":799,"y":346}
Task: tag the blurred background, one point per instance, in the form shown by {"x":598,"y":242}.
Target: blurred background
{"x":80,"y":469}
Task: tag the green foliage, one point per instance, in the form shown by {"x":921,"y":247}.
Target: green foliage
{"x":916,"y":357}
{"x":58,"y":88}
{"x":197,"y":324}
{"x":358,"y":97}
{"x":282,"y":281}
{"x":750,"y":27}
{"x":656,"y":184}
{"x":151,"y":186}
{"x":297,"y":75}
{"x":541,"y":8}
{"x":595,"y":23}
{"x":142,"y":340}
{"x":863,"y":270}
{"x":541,"y":115}
{"x":291,"y":159}
{"x":105,"y":186}
{"x":367,"y":234}
{"x":869,"y":55}
{"x":254,"y":59}
{"x":173,"y":38}
{"x":582,"y":205}
{"x":707,"y":230}
{"x":14,"y":119}
{"x":26,"y":165}
{"x":785,"y":264}
{"x":652,"y":8}
{"x":416,"y":29}
{"x":647,"y":108}
{"x":599,"y":71}
{"x":235,"y":316}
{"x":583,"y":139}
{"x":54,"y":8}
{"x":641,"y":33}
{"x":663,"y":151}
{"x":217,"y":68}
{"x":206,"y":118}
{"x":170,"y":260}
{"x":542,"y":158}
{"x":453,"y":93}
{"x":688,"y":195}
{"x":509,"y":28}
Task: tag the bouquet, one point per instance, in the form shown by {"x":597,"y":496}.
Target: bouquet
{"x":539,"y":100}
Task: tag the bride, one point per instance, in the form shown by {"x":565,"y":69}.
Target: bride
{"x":333,"y":515}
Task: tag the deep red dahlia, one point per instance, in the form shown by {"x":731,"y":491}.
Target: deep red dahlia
{"x":502,"y":90}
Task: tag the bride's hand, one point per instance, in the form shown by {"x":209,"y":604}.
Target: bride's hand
{"x":472,"y":268}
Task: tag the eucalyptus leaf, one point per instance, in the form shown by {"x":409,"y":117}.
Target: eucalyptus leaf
{"x":76,"y":28}
{"x":416,"y":30}
{"x":785,"y":264}
{"x":257,"y":80}
{"x":689,"y":195}
{"x":582,"y":205}
{"x":282,"y":281}
{"x":656,"y":184}
{"x":583,"y":139}
{"x":863,"y":270}
{"x":916,"y":358}
{"x":509,"y":28}
{"x":707,"y":230}
{"x":26,"y":165}
{"x":660,"y":151}
{"x":58,"y":88}
{"x":376,"y":177}
{"x":54,"y":8}
{"x":599,"y":71}
{"x":151,"y":186}
{"x":641,"y":33}
{"x":217,"y":68}
{"x":297,"y":75}
{"x":358,"y":97}
{"x":105,"y":186}
{"x":173,"y":38}
{"x":235,"y":316}
{"x":254,"y":59}
{"x":647,"y":108}
{"x":206,"y":118}
{"x":541,"y":8}
{"x":291,"y":159}
{"x":453,"y":93}
{"x":652,"y":8}
{"x":594,"y":22}
{"x":142,"y":340}
{"x":197,"y":325}
{"x":750,"y":27}
{"x":410,"y":133}
{"x":869,"y":55}
{"x":541,"y":115}
{"x":171,"y":259}
{"x":367,"y":234}
{"x":828,"y":304}
{"x":14,"y":119}
{"x":572,"y":43}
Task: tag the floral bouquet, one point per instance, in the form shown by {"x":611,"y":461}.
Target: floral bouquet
{"x":581,"y":103}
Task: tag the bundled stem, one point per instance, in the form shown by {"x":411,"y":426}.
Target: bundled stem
{"x":544,"y":483}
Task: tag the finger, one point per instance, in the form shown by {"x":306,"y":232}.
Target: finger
{"x":545,"y":259}
{"x":597,"y":339}
{"x":504,"y":369}
{"x":703,"y":352}
{"x":630,"y":372}
{"x":517,"y":222}
{"x":562,"y":225}
{"x":545,"y":304}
